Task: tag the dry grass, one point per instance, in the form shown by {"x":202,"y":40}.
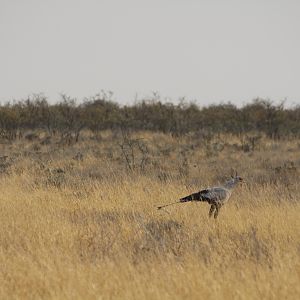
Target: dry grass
{"x":73,"y":229}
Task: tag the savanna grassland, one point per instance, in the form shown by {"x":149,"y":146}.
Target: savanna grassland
{"x":79,"y":219}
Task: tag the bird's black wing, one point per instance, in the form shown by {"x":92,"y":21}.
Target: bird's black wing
{"x":203,"y":195}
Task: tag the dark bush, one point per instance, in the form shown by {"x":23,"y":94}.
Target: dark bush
{"x":68,"y":117}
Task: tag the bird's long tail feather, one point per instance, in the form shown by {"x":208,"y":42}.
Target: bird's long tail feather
{"x":193,"y":197}
{"x":160,"y":207}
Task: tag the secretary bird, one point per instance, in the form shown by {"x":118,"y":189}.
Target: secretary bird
{"x":216,"y":197}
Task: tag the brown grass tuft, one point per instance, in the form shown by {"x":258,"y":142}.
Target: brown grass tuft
{"x":69,"y":234}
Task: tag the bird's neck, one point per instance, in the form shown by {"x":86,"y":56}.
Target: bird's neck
{"x":230,"y":184}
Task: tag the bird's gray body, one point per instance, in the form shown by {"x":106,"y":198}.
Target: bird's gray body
{"x":215,"y":196}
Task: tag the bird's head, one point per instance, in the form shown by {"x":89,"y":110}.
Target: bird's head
{"x":230,"y":184}
{"x":237,"y":178}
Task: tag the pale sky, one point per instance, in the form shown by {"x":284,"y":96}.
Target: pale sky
{"x":205,"y":50}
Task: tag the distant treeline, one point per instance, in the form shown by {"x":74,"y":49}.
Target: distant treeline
{"x":68,"y":117}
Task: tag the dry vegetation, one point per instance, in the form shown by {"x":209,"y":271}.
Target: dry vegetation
{"x":78,"y":221}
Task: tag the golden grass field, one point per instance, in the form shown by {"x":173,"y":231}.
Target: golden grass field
{"x":88,"y":228}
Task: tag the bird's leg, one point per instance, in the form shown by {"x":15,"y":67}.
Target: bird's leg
{"x":212,"y":208}
{"x":217,"y":211}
